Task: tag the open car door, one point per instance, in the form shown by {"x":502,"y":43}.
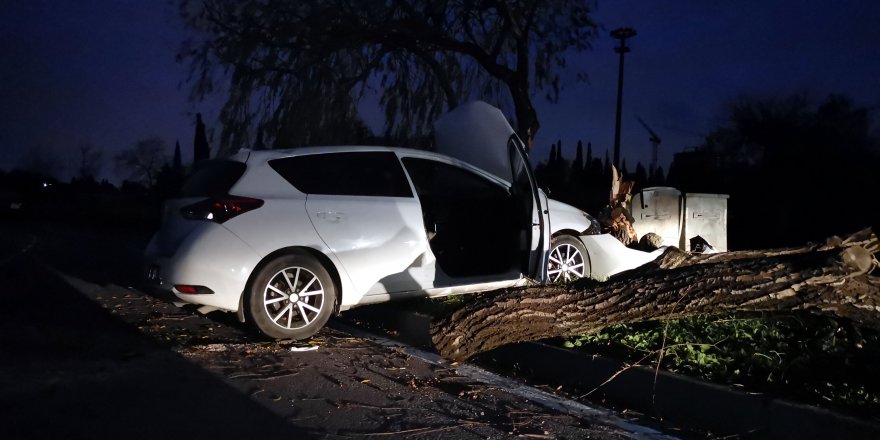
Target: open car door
{"x":479,"y":134}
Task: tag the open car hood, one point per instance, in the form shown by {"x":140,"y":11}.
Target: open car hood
{"x":476,"y":133}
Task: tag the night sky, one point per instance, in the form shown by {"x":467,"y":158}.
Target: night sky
{"x":103,"y":73}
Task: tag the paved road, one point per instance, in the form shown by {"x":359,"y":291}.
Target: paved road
{"x":83,"y":354}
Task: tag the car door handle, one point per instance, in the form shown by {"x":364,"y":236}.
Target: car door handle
{"x":331,"y":216}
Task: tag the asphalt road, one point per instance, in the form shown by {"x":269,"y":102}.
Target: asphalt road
{"x":84,"y":354}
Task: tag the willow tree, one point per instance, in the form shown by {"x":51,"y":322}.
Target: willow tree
{"x":299,"y":70}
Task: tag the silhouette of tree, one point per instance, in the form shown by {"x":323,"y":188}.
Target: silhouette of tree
{"x":657,"y":177}
{"x":640,"y":176}
{"x":142,"y":161}
{"x":168,"y":182}
{"x":555,"y":174}
{"x":783,"y":161}
{"x":543,"y":173}
{"x":575,"y":186}
{"x":577,"y":167}
{"x":201,"y":150}
{"x":170,"y":178}
{"x":177,"y":162}
{"x":301,"y":67}
{"x":583,"y":182}
{"x":597,"y":181}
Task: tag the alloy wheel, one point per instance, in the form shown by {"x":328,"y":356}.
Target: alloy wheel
{"x":566,"y":263}
{"x":293,"y":298}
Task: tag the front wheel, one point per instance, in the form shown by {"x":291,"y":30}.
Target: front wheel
{"x":292,"y":297}
{"x":568,"y":259}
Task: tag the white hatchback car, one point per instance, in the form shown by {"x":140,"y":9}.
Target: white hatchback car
{"x":287,"y":237}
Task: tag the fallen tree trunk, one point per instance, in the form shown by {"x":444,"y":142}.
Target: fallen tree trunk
{"x":833,"y":279}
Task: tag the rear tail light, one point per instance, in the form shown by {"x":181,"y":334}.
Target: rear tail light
{"x":193,"y":290}
{"x":220,"y":209}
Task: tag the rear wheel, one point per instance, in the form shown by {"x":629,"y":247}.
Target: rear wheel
{"x":292,"y":297}
{"x":568,"y":259}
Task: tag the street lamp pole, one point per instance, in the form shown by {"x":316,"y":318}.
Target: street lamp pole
{"x":621,"y":34}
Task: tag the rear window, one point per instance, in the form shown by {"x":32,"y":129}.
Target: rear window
{"x":213,"y":177}
{"x":377,"y":174}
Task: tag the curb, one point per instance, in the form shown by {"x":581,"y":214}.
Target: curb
{"x":677,"y":400}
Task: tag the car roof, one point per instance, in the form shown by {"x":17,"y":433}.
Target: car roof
{"x":248,"y":155}
{"x":475,"y":134}
{"x":260,"y":157}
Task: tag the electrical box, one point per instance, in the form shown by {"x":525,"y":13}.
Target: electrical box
{"x":678,"y":217}
{"x":705,"y":215}
{"x":658,"y":210}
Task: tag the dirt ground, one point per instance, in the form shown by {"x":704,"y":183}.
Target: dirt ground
{"x":85,"y":354}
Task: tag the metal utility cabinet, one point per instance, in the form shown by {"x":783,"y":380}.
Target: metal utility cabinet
{"x":678,"y":217}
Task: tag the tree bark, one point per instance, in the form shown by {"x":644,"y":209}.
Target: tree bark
{"x":832,"y":278}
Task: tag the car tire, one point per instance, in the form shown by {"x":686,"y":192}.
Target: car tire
{"x":568,"y":259}
{"x":292,"y":297}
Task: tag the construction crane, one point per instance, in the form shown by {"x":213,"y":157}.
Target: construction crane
{"x":655,"y":142}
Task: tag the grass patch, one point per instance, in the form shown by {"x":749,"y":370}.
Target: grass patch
{"x":803,"y":357}
{"x":813,"y":359}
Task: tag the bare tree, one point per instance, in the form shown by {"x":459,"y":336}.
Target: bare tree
{"x":143,"y":160}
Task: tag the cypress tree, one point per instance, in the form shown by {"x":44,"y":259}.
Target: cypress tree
{"x":201,"y":150}
{"x":640,"y":177}
{"x":657,"y":178}
{"x":177,"y":163}
{"x":578,"y":165}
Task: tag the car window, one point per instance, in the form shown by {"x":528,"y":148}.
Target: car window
{"x":373,"y":173}
{"x":213,"y":177}
{"x":432,"y":178}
